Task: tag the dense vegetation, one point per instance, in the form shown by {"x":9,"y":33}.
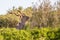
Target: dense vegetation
{"x":30,"y":34}
{"x":43,"y":23}
{"x":8,"y":20}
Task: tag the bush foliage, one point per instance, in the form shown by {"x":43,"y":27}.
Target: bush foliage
{"x":9,"y":20}
{"x":31,"y":34}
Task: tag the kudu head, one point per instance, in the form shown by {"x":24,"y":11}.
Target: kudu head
{"x":23,"y":18}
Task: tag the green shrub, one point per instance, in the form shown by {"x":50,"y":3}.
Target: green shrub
{"x":35,"y":33}
{"x":14,"y":34}
{"x":31,"y":34}
{"x":53,"y":34}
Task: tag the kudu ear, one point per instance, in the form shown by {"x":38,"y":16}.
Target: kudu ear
{"x":26,"y":17}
